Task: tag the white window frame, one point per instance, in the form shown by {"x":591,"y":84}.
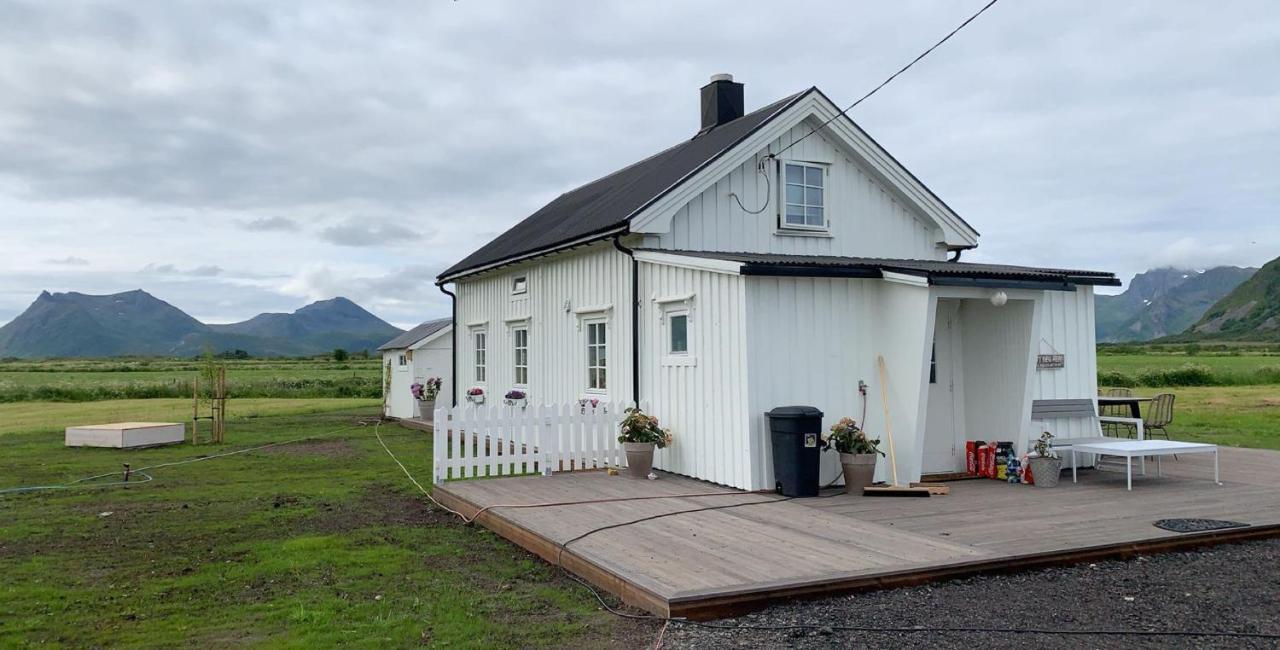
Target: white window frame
{"x":402,"y":361}
{"x":670,"y":309}
{"x":783,"y":224}
{"x":587,"y":324}
{"x":516,"y":329}
{"x":480,"y":355}
{"x":520,"y":285}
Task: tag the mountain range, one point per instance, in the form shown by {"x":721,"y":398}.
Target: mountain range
{"x":137,"y":323}
{"x":1251,"y":312}
{"x":1163,"y":302}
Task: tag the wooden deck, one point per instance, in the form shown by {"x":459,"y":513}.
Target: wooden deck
{"x":717,"y":562}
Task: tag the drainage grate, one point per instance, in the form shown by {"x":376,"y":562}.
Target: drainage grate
{"x":1197,"y":525}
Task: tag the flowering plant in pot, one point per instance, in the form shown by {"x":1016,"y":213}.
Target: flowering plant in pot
{"x":639,"y":435}
{"x":432,"y":388}
{"x":857,"y":454}
{"x":515,"y":397}
{"x":1045,"y":465}
{"x":475,"y":395}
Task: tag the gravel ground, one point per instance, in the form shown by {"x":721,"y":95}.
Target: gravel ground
{"x":1225,"y":588}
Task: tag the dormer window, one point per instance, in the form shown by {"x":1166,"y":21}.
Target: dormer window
{"x":803,"y":192}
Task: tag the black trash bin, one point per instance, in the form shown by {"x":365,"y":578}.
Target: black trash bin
{"x":796,"y":432}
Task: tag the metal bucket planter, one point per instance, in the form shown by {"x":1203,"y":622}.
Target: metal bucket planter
{"x":859,"y":471}
{"x":1045,"y":471}
{"x":426,"y":407}
{"x":639,"y":458}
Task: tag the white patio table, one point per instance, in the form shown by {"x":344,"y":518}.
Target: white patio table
{"x":1130,"y":449}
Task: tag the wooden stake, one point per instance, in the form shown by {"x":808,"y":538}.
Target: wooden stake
{"x":895,"y":489}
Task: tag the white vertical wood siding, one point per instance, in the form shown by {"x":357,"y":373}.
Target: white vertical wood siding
{"x":704,"y":404}
{"x":866,"y":219}
{"x":1066,"y":326}
{"x":399,"y":401}
{"x":809,"y":341}
{"x":435,"y":359}
{"x":995,"y":343}
{"x":591,"y":277}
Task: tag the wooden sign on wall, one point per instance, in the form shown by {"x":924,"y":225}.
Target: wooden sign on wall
{"x":1051,"y":361}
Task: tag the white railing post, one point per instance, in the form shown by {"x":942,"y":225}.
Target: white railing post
{"x":439,"y":446}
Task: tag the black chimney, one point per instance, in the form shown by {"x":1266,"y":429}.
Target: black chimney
{"x":721,"y":101}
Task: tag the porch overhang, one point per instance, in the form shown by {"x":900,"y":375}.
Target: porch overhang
{"x":935,"y":272}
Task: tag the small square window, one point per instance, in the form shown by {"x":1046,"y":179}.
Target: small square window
{"x":803,"y":193}
{"x":519,"y":284}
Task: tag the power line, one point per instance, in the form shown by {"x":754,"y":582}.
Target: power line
{"x":892,"y":76}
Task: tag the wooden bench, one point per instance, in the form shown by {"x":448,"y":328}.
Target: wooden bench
{"x":1065,"y":409}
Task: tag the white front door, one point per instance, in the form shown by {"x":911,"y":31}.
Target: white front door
{"x":943,"y":435}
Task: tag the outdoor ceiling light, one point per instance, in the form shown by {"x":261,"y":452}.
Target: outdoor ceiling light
{"x":999,"y":298}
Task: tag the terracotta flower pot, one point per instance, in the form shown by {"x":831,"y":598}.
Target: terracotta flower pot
{"x":1045,"y":471}
{"x":639,"y":458}
{"x":859,"y":471}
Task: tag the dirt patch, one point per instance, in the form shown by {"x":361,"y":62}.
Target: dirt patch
{"x":324,"y":448}
{"x":378,"y":506}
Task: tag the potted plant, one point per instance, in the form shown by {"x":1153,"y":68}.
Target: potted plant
{"x":857,"y":454}
{"x":475,"y":395}
{"x":1045,"y":465}
{"x":515,"y":397}
{"x":639,"y":435}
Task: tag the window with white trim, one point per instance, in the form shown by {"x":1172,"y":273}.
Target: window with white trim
{"x":519,"y":285}
{"x":678,"y":332}
{"x":480,"y":337}
{"x":403,"y":361}
{"x":597,"y":355}
{"x":803,"y":188}
{"x":520,"y":349}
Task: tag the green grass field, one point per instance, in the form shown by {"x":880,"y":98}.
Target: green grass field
{"x":319,"y":543}
{"x":1238,"y":416}
{"x":83,"y":380}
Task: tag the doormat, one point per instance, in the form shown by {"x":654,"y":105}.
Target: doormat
{"x":1197,"y":525}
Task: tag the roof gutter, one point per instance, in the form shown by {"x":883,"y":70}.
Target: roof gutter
{"x":554,"y":248}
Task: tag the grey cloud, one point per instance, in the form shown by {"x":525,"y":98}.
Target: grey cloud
{"x":361,"y":232}
{"x":269,"y":224}
{"x":70,"y":260}
{"x":205,"y":271}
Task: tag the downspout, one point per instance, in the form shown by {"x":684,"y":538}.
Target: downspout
{"x":635,"y":318}
{"x":453,"y":379}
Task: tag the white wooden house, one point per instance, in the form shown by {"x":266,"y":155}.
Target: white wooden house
{"x":421,"y":353}
{"x":751,"y":267}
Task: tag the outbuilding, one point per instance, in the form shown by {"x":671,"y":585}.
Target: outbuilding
{"x":422,"y":353}
{"x":773,"y":259}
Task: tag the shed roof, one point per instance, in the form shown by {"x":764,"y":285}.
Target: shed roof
{"x":937,"y":271}
{"x":416,"y":334}
{"x":606,"y":204}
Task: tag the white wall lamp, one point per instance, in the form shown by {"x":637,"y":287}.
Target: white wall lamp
{"x":999,"y":298}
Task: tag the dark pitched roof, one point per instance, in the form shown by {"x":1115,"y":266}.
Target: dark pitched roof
{"x":937,"y":271}
{"x":606,"y":204}
{"x":416,"y":334}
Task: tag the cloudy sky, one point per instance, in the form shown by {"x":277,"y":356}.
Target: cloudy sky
{"x":238,"y":157}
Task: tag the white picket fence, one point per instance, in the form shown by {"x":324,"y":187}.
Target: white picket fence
{"x":478,"y":441}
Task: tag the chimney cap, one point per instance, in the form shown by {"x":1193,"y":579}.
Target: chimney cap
{"x":723,"y":76}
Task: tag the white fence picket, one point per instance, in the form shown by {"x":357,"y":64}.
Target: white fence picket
{"x":476,"y":440}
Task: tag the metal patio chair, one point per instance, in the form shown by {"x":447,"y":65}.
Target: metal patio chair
{"x":1159,"y":415}
{"x":1115,"y":429}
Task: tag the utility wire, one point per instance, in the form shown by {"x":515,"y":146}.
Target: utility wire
{"x":892,"y":76}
